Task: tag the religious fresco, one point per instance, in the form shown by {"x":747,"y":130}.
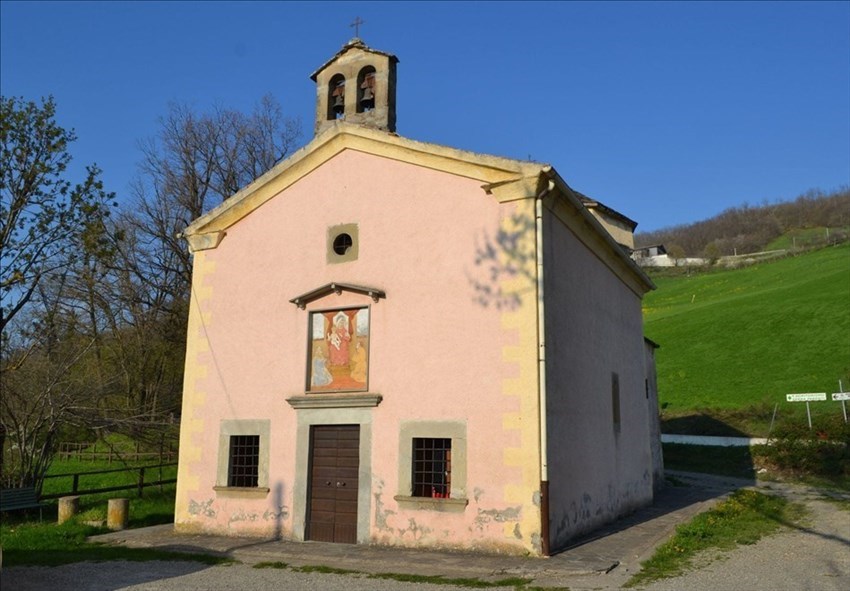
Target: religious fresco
{"x":339,"y":346}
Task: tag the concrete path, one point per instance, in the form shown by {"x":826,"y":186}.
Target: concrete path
{"x":604,"y":561}
{"x":619,"y":547}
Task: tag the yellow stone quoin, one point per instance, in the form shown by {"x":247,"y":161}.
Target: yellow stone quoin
{"x":194,"y":397}
{"x":521,"y":319}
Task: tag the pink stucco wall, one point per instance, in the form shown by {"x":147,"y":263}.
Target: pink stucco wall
{"x":436,"y":350}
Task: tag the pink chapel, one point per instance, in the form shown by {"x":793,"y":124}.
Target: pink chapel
{"x":399,"y":343}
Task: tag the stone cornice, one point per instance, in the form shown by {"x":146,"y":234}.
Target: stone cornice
{"x":321,"y":400}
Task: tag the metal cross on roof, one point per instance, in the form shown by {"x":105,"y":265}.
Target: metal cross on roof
{"x":356,"y":24}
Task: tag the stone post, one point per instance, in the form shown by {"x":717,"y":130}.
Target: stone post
{"x":68,"y":507}
{"x":117,"y":514}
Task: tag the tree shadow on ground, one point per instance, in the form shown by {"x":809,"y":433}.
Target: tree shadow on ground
{"x":103,"y":576}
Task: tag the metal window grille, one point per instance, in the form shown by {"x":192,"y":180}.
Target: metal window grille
{"x":244,"y":461}
{"x":432,"y":467}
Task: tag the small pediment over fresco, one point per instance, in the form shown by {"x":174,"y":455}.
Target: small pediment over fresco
{"x":302,"y":300}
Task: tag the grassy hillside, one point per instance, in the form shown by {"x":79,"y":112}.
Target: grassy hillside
{"x":808,"y":237}
{"x":737,"y":338}
{"x":746,"y":228}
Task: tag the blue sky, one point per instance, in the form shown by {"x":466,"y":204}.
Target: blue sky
{"x":668,"y":112}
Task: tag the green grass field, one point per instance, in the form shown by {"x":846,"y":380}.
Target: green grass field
{"x":744,"y":338}
{"x":154,"y":507}
{"x":26,"y":540}
{"x":117,"y":477}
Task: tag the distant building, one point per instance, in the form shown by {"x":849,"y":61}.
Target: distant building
{"x":656,"y":256}
{"x":653,"y":256}
{"x":649,"y":251}
{"x":394,"y":342}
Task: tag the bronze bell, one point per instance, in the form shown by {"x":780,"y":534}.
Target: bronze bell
{"x":367,"y":95}
{"x":339,"y":104}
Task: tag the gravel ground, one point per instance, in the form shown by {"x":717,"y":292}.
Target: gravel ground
{"x":813,"y":556}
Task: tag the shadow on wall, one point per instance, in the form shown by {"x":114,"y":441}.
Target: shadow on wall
{"x":279,"y":514}
{"x":505,"y":264}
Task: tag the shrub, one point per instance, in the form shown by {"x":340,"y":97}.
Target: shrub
{"x":821,"y":451}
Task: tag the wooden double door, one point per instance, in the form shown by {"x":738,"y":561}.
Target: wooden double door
{"x":332,"y":490}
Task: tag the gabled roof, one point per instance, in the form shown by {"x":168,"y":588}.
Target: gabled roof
{"x":593,"y":203}
{"x":505,"y":179}
{"x":355,"y":43}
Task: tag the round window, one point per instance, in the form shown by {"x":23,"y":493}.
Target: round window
{"x":342,"y":243}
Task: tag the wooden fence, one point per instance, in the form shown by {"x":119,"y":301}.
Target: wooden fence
{"x":140,"y":484}
{"x":89,"y":452}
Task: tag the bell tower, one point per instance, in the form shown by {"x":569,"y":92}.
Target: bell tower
{"x":357,"y":85}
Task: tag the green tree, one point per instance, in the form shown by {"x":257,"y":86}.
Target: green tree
{"x":40,"y":209}
{"x":47,"y":223}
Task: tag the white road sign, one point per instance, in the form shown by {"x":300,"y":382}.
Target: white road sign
{"x":806,"y":397}
{"x":841,"y":396}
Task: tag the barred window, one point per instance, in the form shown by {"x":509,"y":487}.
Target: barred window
{"x":432,"y":467}
{"x":244,"y":466}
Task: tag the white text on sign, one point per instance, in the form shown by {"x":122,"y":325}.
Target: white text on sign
{"x":814,"y":397}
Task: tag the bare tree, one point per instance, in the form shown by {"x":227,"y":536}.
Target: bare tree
{"x":746,"y":228}
{"x":196,"y":162}
{"x":42,"y":392}
{"x":675,"y":252}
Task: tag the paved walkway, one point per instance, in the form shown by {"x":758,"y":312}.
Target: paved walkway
{"x":615,"y":552}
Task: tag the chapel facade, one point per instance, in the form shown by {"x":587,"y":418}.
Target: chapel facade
{"x":398,"y":343}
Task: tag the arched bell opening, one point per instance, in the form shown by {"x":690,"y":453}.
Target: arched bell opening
{"x":366,"y":90}
{"x":336,"y":97}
